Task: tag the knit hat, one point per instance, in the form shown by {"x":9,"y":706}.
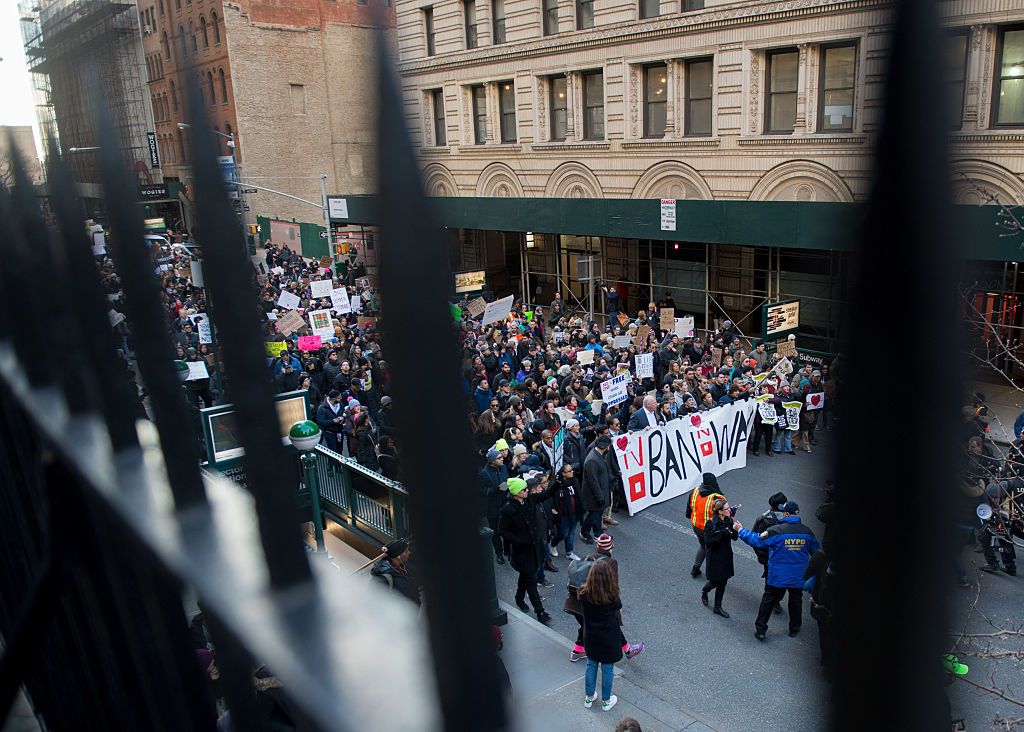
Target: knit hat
{"x":396,"y":548}
{"x":572,"y":423}
{"x":501,"y":444}
{"x":516,"y":486}
{"x":604,"y":542}
{"x":519,"y":449}
{"x":710,"y":480}
{"x":492,"y":455}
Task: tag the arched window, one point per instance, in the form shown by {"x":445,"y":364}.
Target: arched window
{"x":213,"y":92}
{"x":216,"y":28}
{"x":174,"y":96}
{"x":181,"y":144}
{"x":205,"y":32}
{"x":167,"y":47}
{"x":192,"y":35}
{"x":182,"y":44}
{"x":223,"y":87}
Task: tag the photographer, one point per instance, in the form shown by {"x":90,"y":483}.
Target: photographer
{"x":719,"y":534}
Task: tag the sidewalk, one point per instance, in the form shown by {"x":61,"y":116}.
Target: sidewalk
{"x":548,"y":690}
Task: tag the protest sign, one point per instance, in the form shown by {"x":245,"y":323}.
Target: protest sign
{"x":289,"y":323}
{"x":792,"y":415}
{"x":197,"y":370}
{"x":196,"y":272}
{"x":613,"y":391}
{"x":116,"y":318}
{"x":365,"y":321}
{"x":584,"y":357}
{"x":645,"y":366}
{"x":322,"y":288}
{"x":321,"y":324}
{"x":783,"y":367}
{"x":288,"y":300}
{"x":277,"y":270}
{"x":622,"y":368}
{"x":274,"y":348}
{"x":661,"y":463}
{"x":365,"y":282}
{"x":356,"y":303}
{"x":640,"y":341}
{"x":684,"y":327}
{"x":271,"y":315}
{"x":497,"y":310}
{"x":339,"y":301}
{"x":766,"y":409}
{"x":815,"y":401}
{"x":476,"y":307}
{"x":667,"y":318}
{"x":786,"y":348}
{"x":622,"y":318}
{"x":716,"y":356}
{"x":758,"y":378}
{"x":621,"y":341}
{"x":559,"y":336}
{"x":310,"y":343}
{"x":205,"y":329}
{"x":558,"y":449}
{"x":326,"y":262}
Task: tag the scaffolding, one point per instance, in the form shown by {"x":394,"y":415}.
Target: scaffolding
{"x":79,"y":51}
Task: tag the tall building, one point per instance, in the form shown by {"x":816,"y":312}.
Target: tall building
{"x":289,"y":83}
{"x":709,"y":104}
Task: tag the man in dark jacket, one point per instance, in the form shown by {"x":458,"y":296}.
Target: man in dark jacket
{"x":329,"y":416}
{"x":384,"y":423}
{"x":790,"y":546}
{"x":517,"y":524}
{"x":574,"y":449}
{"x":595,"y":492}
{"x":493,"y":487}
{"x":392,"y":570}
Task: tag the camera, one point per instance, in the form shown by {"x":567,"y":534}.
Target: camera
{"x":734,"y":509}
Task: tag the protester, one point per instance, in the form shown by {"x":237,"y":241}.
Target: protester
{"x":719,"y":534}
{"x":517,"y":524}
{"x":392,"y":570}
{"x":699,"y":509}
{"x":602,"y":637}
{"x":595,"y":493}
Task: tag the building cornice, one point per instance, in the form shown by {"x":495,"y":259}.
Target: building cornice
{"x":634,"y":32}
{"x":975,"y":137}
{"x":669,"y":144}
{"x":786,"y":140}
{"x":587,"y":146}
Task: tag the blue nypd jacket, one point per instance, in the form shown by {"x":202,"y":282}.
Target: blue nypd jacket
{"x":790,"y":546}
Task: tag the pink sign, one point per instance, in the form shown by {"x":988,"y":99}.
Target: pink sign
{"x":309,"y":343}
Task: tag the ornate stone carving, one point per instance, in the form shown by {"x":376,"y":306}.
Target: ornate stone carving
{"x":543,"y":131}
{"x":755,"y":83}
{"x":634,"y":102}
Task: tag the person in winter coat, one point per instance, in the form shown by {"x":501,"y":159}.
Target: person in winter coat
{"x":595,"y":491}
{"x":574,"y":449}
{"x":820,"y":575}
{"x":699,"y":511}
{"x":366,"y":450}
{"x":602,"y":636}
{"x":330,"y":417}
{"x":719,"y":534}
{"x":565,"y":511}
{"x":790,"y":546}
{"x":392,"y":570}
{"x":517,"y":524}
{"x":537,"y":483}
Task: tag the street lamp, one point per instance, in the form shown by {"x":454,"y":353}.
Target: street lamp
{"x":305,"y":436}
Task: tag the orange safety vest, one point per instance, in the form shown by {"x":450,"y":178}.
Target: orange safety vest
{"x":700,"y":507}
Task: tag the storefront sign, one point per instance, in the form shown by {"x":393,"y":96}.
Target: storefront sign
{"x":154,"y":154}
{"x":780,"y":318}
{"x":156,"y":192}
{"x":337,"y":208}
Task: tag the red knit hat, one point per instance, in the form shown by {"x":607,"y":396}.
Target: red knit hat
{"x":604,"y":542}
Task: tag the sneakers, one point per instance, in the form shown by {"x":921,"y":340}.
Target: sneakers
{"x":634,"y":650}
{"x":989,"y":568}
{"x":588,"y":701}
{"x":759,"y":635}
{"x":607,"y":705}
{"x":546,"y":583}
{"x":586,"y":539}
{"x":573,"y":556}
{"x":543,"y":617}
{"x":554,"y":550}
{"x":575,"y":655}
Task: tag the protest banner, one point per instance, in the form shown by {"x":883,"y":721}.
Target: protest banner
{"x":205,"y":329}
{"x":613,"y":391}
{"x":792,"y":415}
{"x":667,"y":318}
{"x":339,"y":301}
{"x":660,"y":463}
{"x":321,"y":324}
{"x":326,"y":262}
{"x":640,"y":340}
{"x":815,"y":401}
{"x":476,"y":307}
{"x":584,"y":357}
{"x":289,"y":323}
{"x":621,"y":341}
{"x":310,"y":343}
{"x":645,"y":365}
{"x":497,"y":310}
{"x":684,"y":327}
{"x":274,"y":348}
{"x":786,"y":348}
{"x":197,"y":370}
{"x":322,"y":288}
{"x":288,"y":300}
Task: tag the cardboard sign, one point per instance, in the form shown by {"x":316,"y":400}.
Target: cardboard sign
{"x":365,"y":321}
{"x":326,"y":262}
{"x":716,"y":356}
{"x":321,"y":288}
{"x":584,"y":357}
{"x":667,"y":318}
{"x":640,"y":341}
{"x":197,"y":370}
{"x":645,"y":366}
{"x":786,"y":348}
{"x":367,"y":282}
{"x":321,"y":324}
{"x":289,"y":323}
{"x":623,"y":318}
{"x":339,"y":301}
{"x":288,"y":300}
{"x":310,"y":343}
{"x":476,"y":307}
{"x":497,"y":310}
{"x":815,"y":400}
{"x":621,"y":341}
{"x":684,"y":327}
{"x":274,"y":348}
{"x":613,"y":391}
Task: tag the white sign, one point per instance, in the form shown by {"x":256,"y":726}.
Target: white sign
{"x":684,"y":327}
{"x":613,"y":391}
{"x":661,"y":463}
{"x":781,"y":317}
{"x":356,"y":303}
{"x":645,"y":365}
{"x":197,"y":273}
{"x":288,"y":300}
{"x":497,"y":310}
{"x":337,"y":208}
{"x":339,"y":301}
{"x":792,"y":415}
{"x":271,"y":316}
{"x":585,"y":356}
{"x":321,"y":324}
{"x":815,"y":400}
{"x":668,"y":214}
{"x":116,"y":318}
{"x":197,"y":370}
{"x":205,"y":331}
{"x":322,"y":288}
{"x":621,"y":341}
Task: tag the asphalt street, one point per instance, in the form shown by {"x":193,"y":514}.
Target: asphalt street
{"x":713,"y":668}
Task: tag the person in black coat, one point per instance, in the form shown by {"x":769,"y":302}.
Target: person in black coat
{"x":595,"y":491}
{"x":366,"y":450}
{"x":517,"y":524}
{"x":602,"y":636}
{"x":719,"y":534}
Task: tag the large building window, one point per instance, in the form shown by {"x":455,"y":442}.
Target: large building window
{"x":780,"y":109}
{"x":469,"y":12}
{"x":205,"y":31}
{"x":174,"y":96}
{"x":437,"y":102}
{"x":223,"y":87}
{"x":655,"y":100}
{"x":216,"y":28}
{"x":498,"y":21}
{"x":650,"y":8}
{"x":428,"y":28}
{"x":699,"y":86}
{"x":507,"y":107}
{"x":167,"y":46}
{"x":593,"y":105}
{"x":559,"y":108}
{"x":1009,"y":94}
{"x":212,"y":88}
{"x":689,"y":5}
{"x":584,"y":14}
{"x":838,"y":75}
{"x":550,"y":17}
{"x":954,"y":74}
{"x":479,"y":94}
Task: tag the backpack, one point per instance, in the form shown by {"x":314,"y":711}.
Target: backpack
{"x":579,"y":570}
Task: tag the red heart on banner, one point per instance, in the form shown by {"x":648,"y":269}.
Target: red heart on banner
{"x":815,"y":399}
{"x":622,"y":443}
{"x":695,"y":420}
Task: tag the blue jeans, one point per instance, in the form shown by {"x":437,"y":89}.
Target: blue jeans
{"x":607,"y":676}
{"x":564,"y":530}
{"x":783,"y":437}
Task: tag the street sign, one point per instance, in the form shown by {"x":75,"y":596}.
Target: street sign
{"x":323,"y":234}
{"x":248,"y":190}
